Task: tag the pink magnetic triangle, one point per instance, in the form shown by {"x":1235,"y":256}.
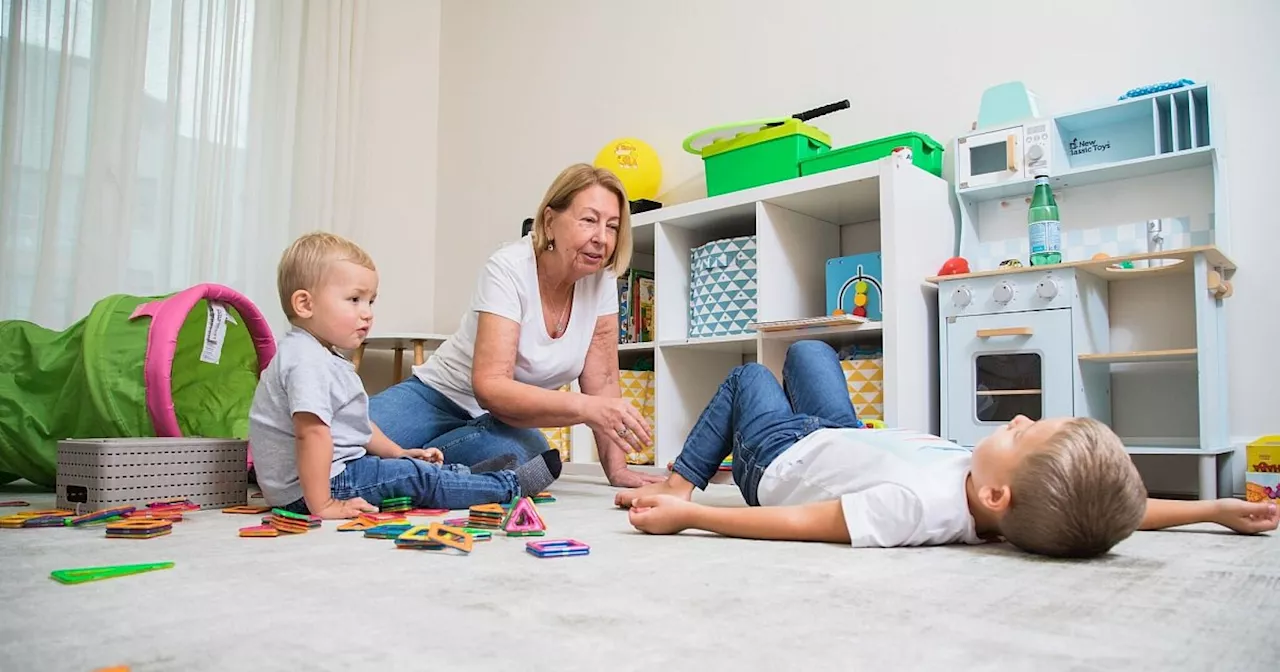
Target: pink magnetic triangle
{"x":524,"y":517}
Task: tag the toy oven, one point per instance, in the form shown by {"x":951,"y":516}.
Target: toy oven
{"x":1005,"y":365}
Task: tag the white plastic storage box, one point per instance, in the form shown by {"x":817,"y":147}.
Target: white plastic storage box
{"x":722,"y":287}
{"x":95,"y":474}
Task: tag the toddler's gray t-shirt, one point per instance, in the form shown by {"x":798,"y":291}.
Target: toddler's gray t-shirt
{"x":304,"y":376}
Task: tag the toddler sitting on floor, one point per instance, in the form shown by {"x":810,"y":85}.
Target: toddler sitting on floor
{"x":315,"y":449}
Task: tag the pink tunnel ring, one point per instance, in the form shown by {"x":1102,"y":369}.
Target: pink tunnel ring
{"x":167,"y":316}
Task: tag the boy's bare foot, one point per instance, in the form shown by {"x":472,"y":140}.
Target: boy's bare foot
{"x":675,"y":485}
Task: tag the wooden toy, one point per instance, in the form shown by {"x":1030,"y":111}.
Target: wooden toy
{"x":397,"y":504}
{"x":173,"y":516}
{"x":259,"y":531}
{"x":16,"y":520}
{"x":418,"y":538}
{"x":293,"y":524}
{"x":954,"y":266}
{"x":524,"y":520}
{"x":486,"y":516}
{"x":295,"y":516}
{"x":453,"y":537}
{"x":478,"y":534}
{"x":136,"y":528}
{"x":180,"y":504}
{"x":387,"y":531}
{"x":384,"y":518}
{"x":104,"y":514}
{"x":247,"y":509}
{"x":426,"y":512}
{"x":58,"y":519}
{"x":557,"y":548}
{"x":85,"y":574}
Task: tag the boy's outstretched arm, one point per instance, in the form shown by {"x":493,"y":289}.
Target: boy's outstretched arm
{"x":1241,"y":516}
{"x":665,"y":514}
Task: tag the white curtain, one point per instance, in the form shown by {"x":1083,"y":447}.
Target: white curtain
{"x":149,"y":145}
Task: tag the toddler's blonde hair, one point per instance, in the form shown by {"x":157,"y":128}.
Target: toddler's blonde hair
{"x":303,"y":264}
{"x":1077,"y":496}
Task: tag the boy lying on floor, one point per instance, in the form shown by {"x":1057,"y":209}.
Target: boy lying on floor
{"x":1059,"y":487}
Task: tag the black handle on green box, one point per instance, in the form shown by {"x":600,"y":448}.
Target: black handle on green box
{"x":817,"y":112}
{"x":820,"y":111}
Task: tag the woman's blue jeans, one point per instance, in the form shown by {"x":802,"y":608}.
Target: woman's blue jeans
{"x":415,"y":415}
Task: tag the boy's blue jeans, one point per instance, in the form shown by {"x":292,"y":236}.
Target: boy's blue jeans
{"x":431,"y":486}
{"x":755,"y":419}
{"x":415,"y":415}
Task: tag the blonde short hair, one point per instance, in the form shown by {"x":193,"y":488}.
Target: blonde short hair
{"x":303,"y":264}
{"x":567,"y":185}
{"x":1077,"y":496}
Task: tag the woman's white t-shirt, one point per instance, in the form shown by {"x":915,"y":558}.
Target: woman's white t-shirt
{"x":508,"y":287}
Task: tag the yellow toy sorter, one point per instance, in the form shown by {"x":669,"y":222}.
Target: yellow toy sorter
{"x":1262,"y":475}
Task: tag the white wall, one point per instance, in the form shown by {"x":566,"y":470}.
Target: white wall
{"x":527,"y":88}
{"x":397,"y":170}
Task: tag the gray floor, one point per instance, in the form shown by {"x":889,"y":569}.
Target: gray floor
{"x":1186,"y":599}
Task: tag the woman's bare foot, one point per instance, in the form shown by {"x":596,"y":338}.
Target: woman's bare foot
{"x":675,"y":485}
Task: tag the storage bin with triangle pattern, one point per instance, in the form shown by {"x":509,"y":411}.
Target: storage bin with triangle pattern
{"x":560,"y":438}
{"x":722,"y":287}
{"x":865,"y":377}
{"x":637,"y":387}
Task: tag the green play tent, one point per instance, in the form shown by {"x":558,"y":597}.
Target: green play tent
{"x":185,"y":364}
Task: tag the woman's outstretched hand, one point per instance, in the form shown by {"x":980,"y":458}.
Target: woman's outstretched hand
{"x":617,"y":423}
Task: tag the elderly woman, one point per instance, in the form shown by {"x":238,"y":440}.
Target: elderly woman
{"x":544,"y":314}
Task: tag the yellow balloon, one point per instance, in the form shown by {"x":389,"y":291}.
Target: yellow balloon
{"x":636,"y":165}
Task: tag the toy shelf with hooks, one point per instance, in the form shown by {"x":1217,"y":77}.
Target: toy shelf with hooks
{"x":884,"y":206}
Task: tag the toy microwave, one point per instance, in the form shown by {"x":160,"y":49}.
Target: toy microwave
{"x":1008,"y":154}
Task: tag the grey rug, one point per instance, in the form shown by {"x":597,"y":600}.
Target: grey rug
{"x":1189,"y":599}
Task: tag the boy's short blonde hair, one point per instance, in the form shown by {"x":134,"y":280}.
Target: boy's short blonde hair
{"x":1077,"y":496}
{"x":303,"y":264}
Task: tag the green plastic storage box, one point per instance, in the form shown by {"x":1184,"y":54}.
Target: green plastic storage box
{"x":926,"y":154}
{"x":771,"y":154}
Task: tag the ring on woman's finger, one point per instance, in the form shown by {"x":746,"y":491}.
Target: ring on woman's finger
{"x":624,"y":432}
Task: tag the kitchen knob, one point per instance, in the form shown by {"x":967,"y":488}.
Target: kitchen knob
{"x":1034,"y":152}
{"x":1047,"y":288}
{"x":1003,"y":293}
{"x":961,"y":297}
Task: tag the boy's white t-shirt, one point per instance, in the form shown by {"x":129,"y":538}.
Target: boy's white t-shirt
{"x":897,"y":487}
{"x":508,"y":287}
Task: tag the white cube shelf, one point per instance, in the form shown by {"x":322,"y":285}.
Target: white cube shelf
{"x":887,"y":206}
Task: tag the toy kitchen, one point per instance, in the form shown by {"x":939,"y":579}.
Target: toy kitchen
{"x":1136,"y":281}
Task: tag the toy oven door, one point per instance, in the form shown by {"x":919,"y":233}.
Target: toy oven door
{"x":989,"y":158}
{"x":1004,"y":365}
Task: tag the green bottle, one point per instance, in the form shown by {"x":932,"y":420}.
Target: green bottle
{"x":1044,"y":226}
